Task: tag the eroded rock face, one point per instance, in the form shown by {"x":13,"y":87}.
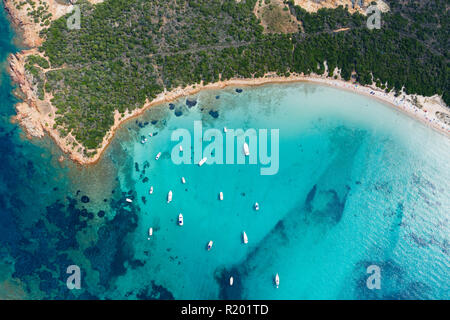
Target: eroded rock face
{"x":28,"y":117}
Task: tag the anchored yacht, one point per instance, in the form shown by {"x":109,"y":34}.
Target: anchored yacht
{"x":244,"y":237}
{"x":169,"y":196}
{"x":246,"y":150}
{"x":150,"y":233}
{"x":158,"y":155}
{"x":180,"y":219}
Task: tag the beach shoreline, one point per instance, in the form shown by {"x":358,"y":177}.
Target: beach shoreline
{"x":37,"y":117}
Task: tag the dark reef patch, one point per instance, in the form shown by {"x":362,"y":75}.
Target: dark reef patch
{"x":214,"y":114}
{"x":178,"y":112}
{"x":154,"y":292}
{"x":109,"y":254}
{"x":227,"y":292}
{"x":85,"y":199}
{"x":191,"y":103}
{"x":334,"y":208}
{"x":310,"y":198}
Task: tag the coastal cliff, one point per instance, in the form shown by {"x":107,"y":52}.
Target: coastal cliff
{"x":37,"y":113}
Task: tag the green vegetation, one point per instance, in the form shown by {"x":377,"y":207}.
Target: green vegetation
{"x":130,"y":50}
{"x":39,"y":12}
{"x":31,"y":66}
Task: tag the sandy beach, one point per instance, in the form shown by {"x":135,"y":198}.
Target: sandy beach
{"x":37,"y":116}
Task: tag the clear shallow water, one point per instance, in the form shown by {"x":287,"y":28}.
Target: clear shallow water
{"x":358,"y":184}
{"x":354,"y":189}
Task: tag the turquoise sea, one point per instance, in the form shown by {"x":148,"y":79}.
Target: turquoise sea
{"x":358,"y":184}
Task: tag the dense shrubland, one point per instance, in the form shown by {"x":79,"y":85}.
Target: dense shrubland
{"x":129,"y":50}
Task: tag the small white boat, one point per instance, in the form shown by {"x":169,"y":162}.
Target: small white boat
{"x":244,"y":237}
{"x":180,"y":219}
{"x":169,"y":196}
{"x":129,"y":200}
{"x":231,"y":281}
{"x":158,"y":155}
{"x":224,"y":129}
{"x":150,"y":233}
{"x":183,"y":180}
{"x":246,"y":150}
{"x":256,"y":206}
{"x":221,"y":196}
{"x":142,"y":141}
{"x":181,"y":148}
{"x":277,"y":280}
{"x":151,"y":190}
{"x":150,"y":134}
{"x":210,"y":244}
{"x":201,"y":162}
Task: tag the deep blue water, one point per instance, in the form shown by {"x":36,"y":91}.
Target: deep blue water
{"x":354,"y":189}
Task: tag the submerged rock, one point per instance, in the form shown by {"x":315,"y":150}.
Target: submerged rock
{"x":214,"y":114}
{"x":191,"y":103}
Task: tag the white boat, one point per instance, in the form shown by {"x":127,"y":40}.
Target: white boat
{"x":201,"y":162}
{"x":210,"y":244}
{"x":246,"y":150}
{"x":150,"y":134}
{"x":224,"y":129}
{"x":256,"y":206}
{"x":231,"y":281}
{"x":180,"y":219}
{"x":151,"y":190}
{"x":244,"y":237}
{"x":158,"y":155}
{"x":181,"y":148}
{"x":183,"y":180}
{"x":169,"y":196}
{"x":221,"y":195}
{"x":150,"y":233}
{"x":129,"y":200}
{"x":277,"y":280}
